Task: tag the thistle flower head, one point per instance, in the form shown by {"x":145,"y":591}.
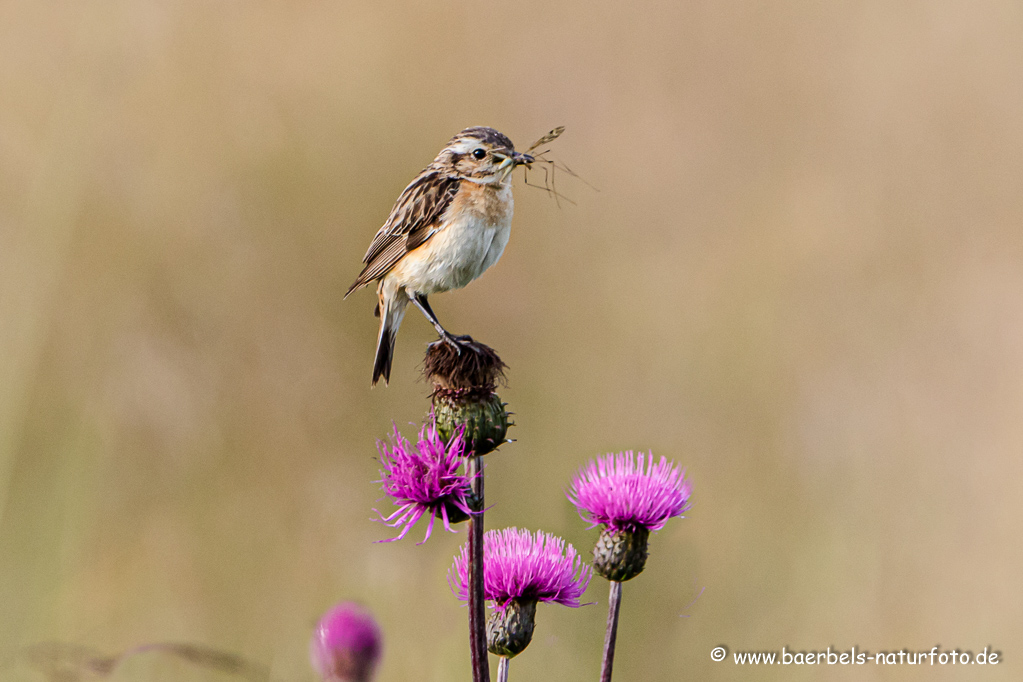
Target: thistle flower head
{"x":423,"y":479}
{"x":464,"y":380}
{"x":519,"y":565}
{"x":346,"y":644}
{"x":625,"y":492}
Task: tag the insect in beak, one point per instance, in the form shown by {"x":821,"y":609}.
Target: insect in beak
{"x":522,"y":159}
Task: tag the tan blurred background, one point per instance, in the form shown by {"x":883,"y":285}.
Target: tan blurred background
{"x":802,"y":278}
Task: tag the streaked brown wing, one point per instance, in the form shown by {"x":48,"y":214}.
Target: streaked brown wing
{"x":413,"y":220}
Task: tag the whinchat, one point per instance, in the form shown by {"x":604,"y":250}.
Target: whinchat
{"x":448,"y":226}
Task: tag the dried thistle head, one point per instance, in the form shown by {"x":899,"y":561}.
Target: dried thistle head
{"x":474,"y":366}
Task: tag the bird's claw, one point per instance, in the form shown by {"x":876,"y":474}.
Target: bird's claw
{"x":456,"y":342}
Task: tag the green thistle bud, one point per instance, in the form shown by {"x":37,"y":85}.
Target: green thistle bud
{"x":510,"y":630}
{"x":484,"y":417}
{"x":620,"y":555}
{"x":463,"y":393}
{"x":456,"y":515}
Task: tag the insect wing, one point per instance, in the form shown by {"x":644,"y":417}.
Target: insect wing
{"x":553,"y":135}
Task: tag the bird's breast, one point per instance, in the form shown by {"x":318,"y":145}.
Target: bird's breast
{"x":471,"y":238}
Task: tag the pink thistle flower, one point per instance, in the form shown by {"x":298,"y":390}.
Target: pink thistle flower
{"x":424,"y":479}
{"x":625,"y":492}
{"x":346,"y":644}
{"x":519,"y":565}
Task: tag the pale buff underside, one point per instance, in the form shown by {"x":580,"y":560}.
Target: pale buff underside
{"x":466,"y":245}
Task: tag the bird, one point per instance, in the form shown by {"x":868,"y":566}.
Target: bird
{"x":448,"y":226}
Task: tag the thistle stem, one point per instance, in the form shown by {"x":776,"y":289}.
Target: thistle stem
{"x":614,"y":604}
{"x":477,"y":619}
{"x":502,"y":669}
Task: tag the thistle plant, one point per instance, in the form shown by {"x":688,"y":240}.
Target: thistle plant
{"x":520,"y":570}
{"x":464,"y":380}
{"x":346,"y":644}
{"x":424,"y":480}
{"x":464,"y":398}
{"x":441,"y":476}
{"x":629,"y":497}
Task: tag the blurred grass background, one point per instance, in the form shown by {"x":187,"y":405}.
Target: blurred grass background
{"x":802,"y":278}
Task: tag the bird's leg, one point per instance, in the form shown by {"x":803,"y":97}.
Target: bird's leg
{"x":452,"y":340}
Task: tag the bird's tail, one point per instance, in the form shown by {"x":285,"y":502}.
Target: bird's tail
{"x":391,"y":309}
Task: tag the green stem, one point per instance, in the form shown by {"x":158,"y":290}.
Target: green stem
{"x":614,"y":605}
{"x":477,"y":619}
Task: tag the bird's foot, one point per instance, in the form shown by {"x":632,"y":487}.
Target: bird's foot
{"x":456,"y":342}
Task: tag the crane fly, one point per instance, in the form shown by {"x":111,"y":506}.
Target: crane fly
{"x":548,"y":169}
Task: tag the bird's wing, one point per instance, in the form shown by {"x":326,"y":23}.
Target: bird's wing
{"x":413,"y":220}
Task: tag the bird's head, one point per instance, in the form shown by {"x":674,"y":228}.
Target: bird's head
{"x":482,"y":155}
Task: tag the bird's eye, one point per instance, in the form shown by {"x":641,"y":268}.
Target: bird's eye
{"x":478,"y":153}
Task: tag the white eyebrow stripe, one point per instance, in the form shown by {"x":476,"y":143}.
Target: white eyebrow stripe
{"x":464,"y":146}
